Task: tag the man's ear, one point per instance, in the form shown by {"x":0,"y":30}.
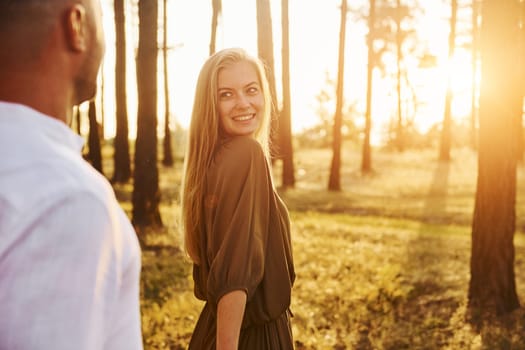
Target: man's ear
{"x":76,"y":28}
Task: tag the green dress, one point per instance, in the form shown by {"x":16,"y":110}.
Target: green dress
{"x":246,"y":246}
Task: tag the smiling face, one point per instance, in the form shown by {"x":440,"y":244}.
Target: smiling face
{"x":240,"y":99}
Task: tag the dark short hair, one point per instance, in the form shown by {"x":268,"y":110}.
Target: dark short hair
{"x":24,"y":23}
{"x":17,"y":14}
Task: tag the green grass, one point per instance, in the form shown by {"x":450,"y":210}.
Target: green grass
{"x":379,"y":283}
{"x":384,"y":264}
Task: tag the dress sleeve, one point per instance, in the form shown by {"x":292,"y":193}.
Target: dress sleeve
{"x":237,"y":206}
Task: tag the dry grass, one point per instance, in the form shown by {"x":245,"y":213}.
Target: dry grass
{"x":382,"y":265}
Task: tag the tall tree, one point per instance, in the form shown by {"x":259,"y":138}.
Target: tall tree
{"x":400,"y":138}
{"x":94,"y":149}
{"x":474,"y":82}
{"x":446,"y":127}
{"x":265,"y":49}
{"x":216,"y":12}
{"x":492,"y":285}
{"x":334,"y":181}
{"x":285,"y":133}
{"x":146,"y":195}
{"x":77,"y":119}
{"x":167,"y":160}
{"x":366,"y":161}
{"x":121,"y":158}
{"x":395,"y":35}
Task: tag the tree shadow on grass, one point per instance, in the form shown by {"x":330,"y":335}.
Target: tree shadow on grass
{"x":436,"y":308}
{"x":435,"y":204}
{"x":431,"y":270}
{"x":430,"y":283}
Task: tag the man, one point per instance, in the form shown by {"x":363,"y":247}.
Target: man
{"x":69,"y":258}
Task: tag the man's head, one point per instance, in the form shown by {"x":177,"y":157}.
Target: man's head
{"x":59,"y":43}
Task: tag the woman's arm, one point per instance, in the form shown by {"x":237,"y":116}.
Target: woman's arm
{"x":230,"y":312}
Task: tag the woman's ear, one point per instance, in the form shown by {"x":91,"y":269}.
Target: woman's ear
{"x":76,"y":28}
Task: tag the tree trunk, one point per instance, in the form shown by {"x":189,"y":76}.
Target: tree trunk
{"x":400,"y":137}
{"x":78,"y":121}
{"x":475,"y":51}
{"x":446,"y":130}
{"x":94,"y":151}
{"x":121,"y":158}
{"x":366,"y":162}
{"x":492,"y":286}
{"x":146,"y":195}
{"x":265,"y":48}
{"x":334,"y":182}
{"x":168,"y":154}
{"x":217,"y":9}
{"x":286,"y":122}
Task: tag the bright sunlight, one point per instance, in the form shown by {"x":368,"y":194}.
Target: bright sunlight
{"x":313,"y":55}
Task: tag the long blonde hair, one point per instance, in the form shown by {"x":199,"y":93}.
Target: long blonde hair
{"x":204,"y":137}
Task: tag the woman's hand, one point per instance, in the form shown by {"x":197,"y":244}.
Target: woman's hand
{"x":230,"y":312}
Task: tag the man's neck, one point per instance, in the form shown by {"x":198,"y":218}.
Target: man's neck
{"x":42,"y":94}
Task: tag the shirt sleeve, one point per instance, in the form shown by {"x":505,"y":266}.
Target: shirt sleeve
{"x":238,"y":203}
{"x":62,"y":278}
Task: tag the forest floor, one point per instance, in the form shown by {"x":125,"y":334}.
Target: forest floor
{"x":384,"y":264}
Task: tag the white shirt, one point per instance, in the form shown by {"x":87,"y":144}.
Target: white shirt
{"x":69,"y":257}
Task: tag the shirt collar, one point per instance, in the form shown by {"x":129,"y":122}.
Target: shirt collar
{"x":38,"y":122}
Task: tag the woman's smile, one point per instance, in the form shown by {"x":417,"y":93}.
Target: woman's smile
{"x":240,"y":99}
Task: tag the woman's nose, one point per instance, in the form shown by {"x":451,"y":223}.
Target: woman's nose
{"x":242,"y":101}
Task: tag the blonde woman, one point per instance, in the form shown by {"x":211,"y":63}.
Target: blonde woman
{"x":236,"y":228}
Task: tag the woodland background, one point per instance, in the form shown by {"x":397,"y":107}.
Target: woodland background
{"x":413,"y":243}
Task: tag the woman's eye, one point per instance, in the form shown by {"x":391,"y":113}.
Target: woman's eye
{"x":225,"y":94}
{"x":253,"y":90}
